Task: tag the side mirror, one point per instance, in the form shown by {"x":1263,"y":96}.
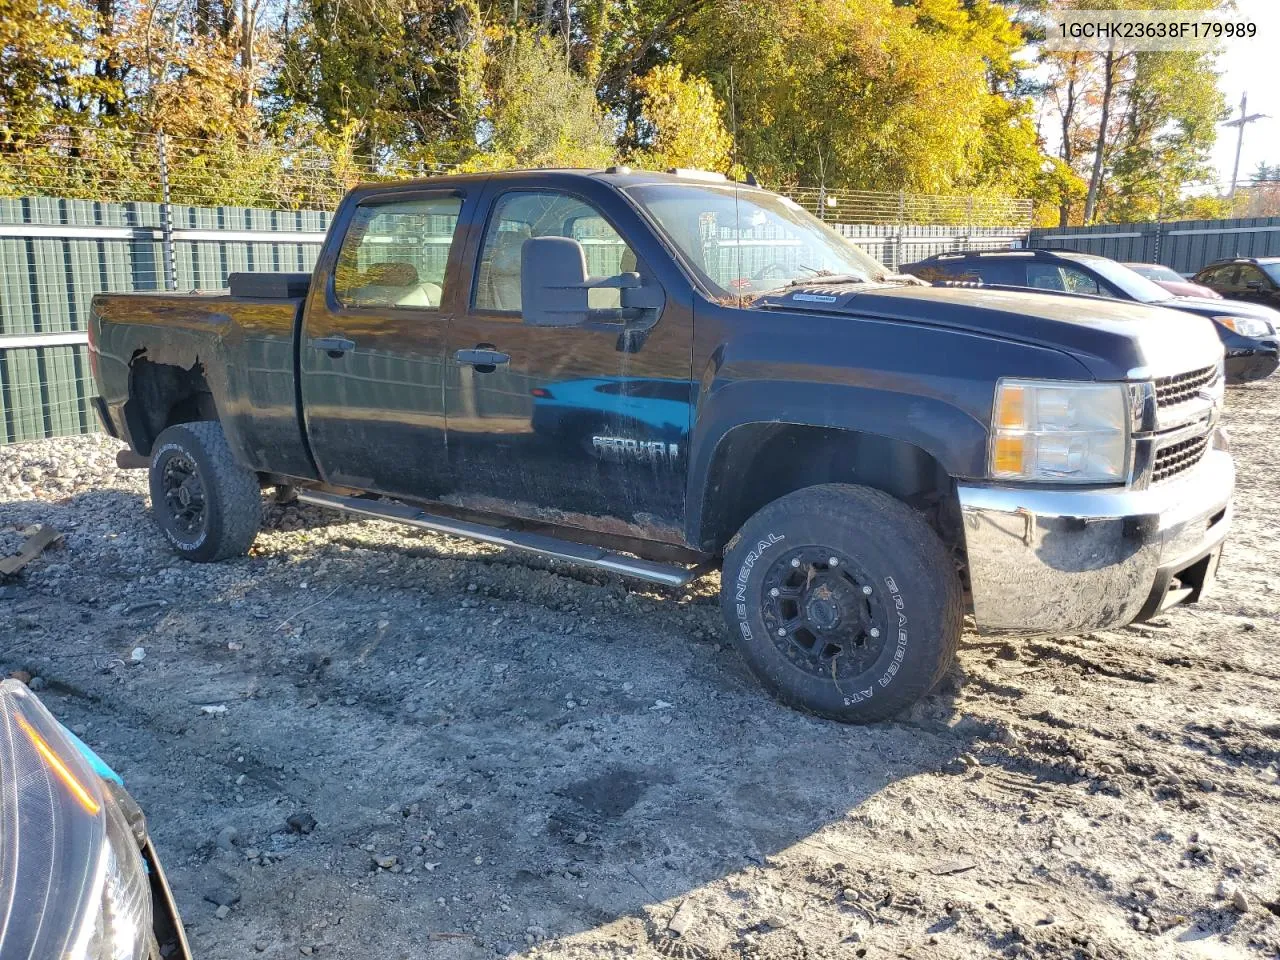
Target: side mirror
{"x":553,"y":282}
{"x":554,"y":292}
{"x":1254,"y":284}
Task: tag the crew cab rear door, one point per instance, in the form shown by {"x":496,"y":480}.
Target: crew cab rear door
{"x":567,"y":424}
{"x":373,"y":341}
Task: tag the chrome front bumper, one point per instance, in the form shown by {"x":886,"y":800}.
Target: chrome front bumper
{"x":1071,"y":561}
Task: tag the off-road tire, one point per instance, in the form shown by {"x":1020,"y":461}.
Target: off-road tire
{"x":914,"y":603}
{"x":232,"y":496}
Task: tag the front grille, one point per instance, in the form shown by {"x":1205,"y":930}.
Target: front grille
{"x":1171,"y":391}
{"x":1178,"y":457}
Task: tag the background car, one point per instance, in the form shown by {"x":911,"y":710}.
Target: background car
{"x":1247,"y":330}
{"x":1252,"y":279}
{"x":1173,"y":281}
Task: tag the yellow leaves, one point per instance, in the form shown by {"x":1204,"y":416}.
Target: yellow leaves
{"x":686,"y":128}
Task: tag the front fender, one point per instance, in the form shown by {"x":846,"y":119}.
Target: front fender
{"x":927,"y":387}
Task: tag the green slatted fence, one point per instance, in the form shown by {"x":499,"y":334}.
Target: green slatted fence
{"x":55,"y":254}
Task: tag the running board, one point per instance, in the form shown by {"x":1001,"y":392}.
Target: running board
{"x":670,"y":575}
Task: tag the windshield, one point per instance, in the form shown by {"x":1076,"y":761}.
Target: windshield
{"x":1271,"y":268}
{"x":1154,"y":271}
{"x":1129,"y":281}
{"x":744,"y":242}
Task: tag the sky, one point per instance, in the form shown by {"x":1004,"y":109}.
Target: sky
{"x":1249,"y":66}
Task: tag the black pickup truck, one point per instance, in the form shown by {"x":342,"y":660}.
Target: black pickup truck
{"x":658,"y":374}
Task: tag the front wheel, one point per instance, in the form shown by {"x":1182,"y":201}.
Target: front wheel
{"x":843,"y":601}
{"x":208,"y":506}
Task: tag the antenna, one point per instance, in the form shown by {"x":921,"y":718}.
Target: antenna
{"x":737,"y":216}
{"x":733,"y":122}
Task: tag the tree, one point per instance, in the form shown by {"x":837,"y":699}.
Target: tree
{"x":48,"y":53}
{"x":407,"y":73}
{"x":1138,"y":124}
{"x":542,"y":114}
{"x":680,"y":124}
{"x":861,"y":94}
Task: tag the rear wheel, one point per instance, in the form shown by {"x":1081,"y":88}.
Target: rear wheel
{"x":208,"y":506}
{"x":843,"y":601}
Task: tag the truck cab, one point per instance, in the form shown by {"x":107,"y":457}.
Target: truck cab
{"x":660,"y":374}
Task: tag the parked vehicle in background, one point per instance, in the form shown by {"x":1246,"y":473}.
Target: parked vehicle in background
{"x":1172,"y":281}
{"x":1247,"y":331}
{"x":1252,"y":279}
{"x":79,"y":877}
{"x":656,"y":374}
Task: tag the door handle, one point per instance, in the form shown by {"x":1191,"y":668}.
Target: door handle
{"x":482,"y":357}
{"x":334,"y":346}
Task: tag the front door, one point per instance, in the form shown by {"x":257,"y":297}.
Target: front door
{"x":566,"y":425}
{"x":373,"y":346}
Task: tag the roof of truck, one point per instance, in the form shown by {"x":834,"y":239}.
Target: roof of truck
{"x":619,"y":176}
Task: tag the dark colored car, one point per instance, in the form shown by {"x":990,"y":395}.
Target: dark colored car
{"x":1247,"y":331}
{"x":1251,"y":279}
{"x":658,"y":374}
{"x":1172,"y":281}
{"x":79,"y":876}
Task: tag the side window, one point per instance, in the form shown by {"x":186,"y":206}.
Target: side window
{"x":1045,"y":276}
{"x":395,"y":254}
{"x":1251,"y":274}
{"x":1223,"y":275}
{"x":1077,"y":281}
{"x":523,"y":214}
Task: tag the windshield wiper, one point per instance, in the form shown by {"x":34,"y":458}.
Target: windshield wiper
{"x":824,"y":276}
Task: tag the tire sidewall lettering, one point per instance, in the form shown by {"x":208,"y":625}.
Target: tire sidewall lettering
{"x":900,"y":651}
{"x":741,"y":605}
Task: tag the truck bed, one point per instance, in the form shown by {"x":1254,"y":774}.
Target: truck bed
{"x":239,"y":351}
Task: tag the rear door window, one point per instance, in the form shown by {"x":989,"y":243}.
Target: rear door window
{"x":1045,"y":276}
{"x":395,"y":254}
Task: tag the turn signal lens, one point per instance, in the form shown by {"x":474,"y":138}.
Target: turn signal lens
{"x":1011,"y":410}
{"x":1008,"y":456}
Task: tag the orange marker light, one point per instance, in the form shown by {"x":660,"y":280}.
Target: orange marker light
{"x":58,"y":767}
{"x":1012,"y":412}
{"x":1008,"y":454}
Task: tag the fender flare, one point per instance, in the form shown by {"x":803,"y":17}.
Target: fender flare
{"x":956,"y":439}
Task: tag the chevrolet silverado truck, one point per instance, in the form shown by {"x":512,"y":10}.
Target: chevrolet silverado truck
{"x":661,"y":374}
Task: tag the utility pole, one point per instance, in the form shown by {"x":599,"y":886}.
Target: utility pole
{"x":1244,"y":119}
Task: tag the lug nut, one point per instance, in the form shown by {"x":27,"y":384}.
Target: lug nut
{"x":875,"y":632}
{"x":833,"y":562}
{"x":775,"y":592}
{"x":795,"y":561}
{"x":781,"y":632}
{"x":867,"y":590}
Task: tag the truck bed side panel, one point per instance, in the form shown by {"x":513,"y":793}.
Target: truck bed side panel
{"x":243,"y":347}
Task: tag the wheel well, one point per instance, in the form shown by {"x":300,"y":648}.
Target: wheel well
{"x":162,"y":394}
{"x":757,"y":463}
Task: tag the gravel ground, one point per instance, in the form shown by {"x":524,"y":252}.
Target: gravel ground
{"x":484,"y":757}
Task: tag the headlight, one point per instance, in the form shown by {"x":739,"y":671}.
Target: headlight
{"x":1246,"y":326}
{"x":72,"y":881}
{"x":1060,"y":432}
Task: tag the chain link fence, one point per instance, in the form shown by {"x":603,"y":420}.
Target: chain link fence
{"x":113,"y":211}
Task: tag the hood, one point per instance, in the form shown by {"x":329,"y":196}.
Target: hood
{"x":1111,"y":337}
{"x":1185,"y":288}
{"x":1225,"y":308}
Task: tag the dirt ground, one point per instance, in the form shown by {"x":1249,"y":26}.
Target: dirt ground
{"x":505,"y":758}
